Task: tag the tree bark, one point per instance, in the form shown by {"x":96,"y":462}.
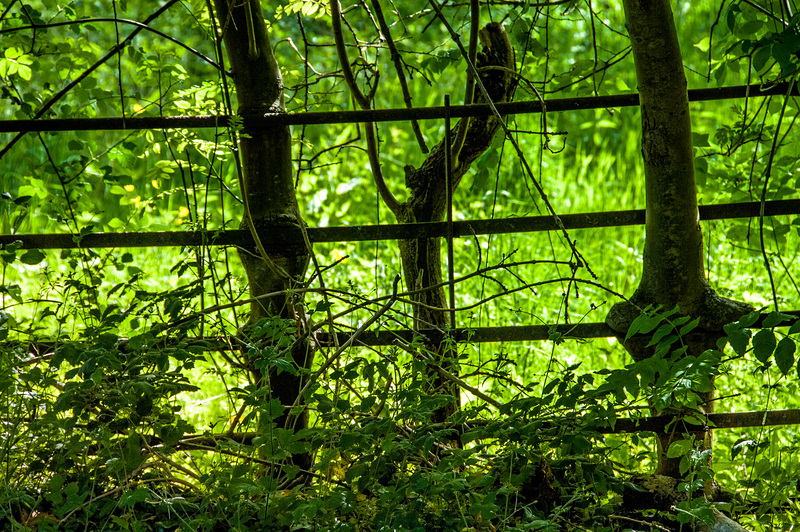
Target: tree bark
{"x":268,"y":192}
{"x":422,"y":265}
{"x":672,"y":270}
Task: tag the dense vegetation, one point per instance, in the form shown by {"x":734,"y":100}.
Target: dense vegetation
{"x":128,"y":396}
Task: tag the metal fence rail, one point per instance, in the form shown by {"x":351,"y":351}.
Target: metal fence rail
{"x":360,"y":233}
{"x":380,"y":115}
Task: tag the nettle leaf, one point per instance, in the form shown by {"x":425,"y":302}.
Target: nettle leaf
{"x":764,"y":343}
{"x":784,"y":354}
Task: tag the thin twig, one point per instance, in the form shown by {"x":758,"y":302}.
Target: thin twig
{"x":513,"y":142}
{"x":767,"y":175}
{"x":365,"y":103}
{"x":331,"y":359}
{"x":469,"y":90}
{"x":398,"y":66}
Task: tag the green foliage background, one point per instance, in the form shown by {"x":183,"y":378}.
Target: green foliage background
{"x":122,"y":420}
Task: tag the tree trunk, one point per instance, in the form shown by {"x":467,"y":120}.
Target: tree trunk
{"x":672,"y":271}
{"x":422,"y":264}
{"x":268,"y":191}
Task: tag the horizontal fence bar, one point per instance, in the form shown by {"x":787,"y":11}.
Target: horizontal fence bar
{"x":732,"y":420}
{"x":512,"y":333}
{"x":360,"y":233}
{"x":478,"y":335}
{"x":377,"y":115}
{"x":727,"y":420}
{"x":382,"y":337}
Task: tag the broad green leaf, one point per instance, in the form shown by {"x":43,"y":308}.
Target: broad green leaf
{"x":764,"y":343}
{"x":700,"y":140}
{"x":694,"y":420}
{"x":774,"y":319}
{"x":32,"y":256}
{"x":689,"y":327}
{"x":679,"y":448}
{"x":643,"y":324}
{"x":784,"y":354}
{"x":762,"y":59}
{"x":703,"y":44}
{"x":683,"y":466}
{"x":741,"y":445}
{"x":129,"y":498}
{"x":660,"y":333}
{"x":24,"y":71}
{"x":39,"y":190}
{"x":749,"y":28}
{"x":749,"y":319}
{"x":739,"y":341}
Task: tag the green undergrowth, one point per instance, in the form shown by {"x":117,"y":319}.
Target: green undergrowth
{"x":99,"y":434}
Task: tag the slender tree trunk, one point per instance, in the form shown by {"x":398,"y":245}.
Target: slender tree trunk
{"x":268,"y":189}
{"x":672,"y":270}
{"x":422,"y":263}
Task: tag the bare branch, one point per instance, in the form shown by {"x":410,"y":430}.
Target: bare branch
{"x":365,"y":103}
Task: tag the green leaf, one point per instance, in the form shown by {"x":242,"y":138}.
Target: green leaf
{"x":274,"y":410}
{"x":764,"y":343}
{"x":684,"y":465}
{"x":694,"y":420}
{"x":703,"y":46}
{"x":749,"y":319}
{"x":322,"y":306}
{"x":129,"y":498}
{"x":749,"y":28}
{"x":700,"y":140}
{"x":679,"y":448}
{"x":739,"y":341}
{"x":689,"y":327}
{"x":32,"y":256}
{"x":741,"y":445}
{"x":662,"y":331}
{"x":762,"y":58}
{"x":643,"y":324}
{"x":784,"y":354}
{"x":774,"y":319}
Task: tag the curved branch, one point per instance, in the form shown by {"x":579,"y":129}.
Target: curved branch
{"x":398,"y":66}
{"x":469,"y":91}
{"x":515,"y":145}
{"x":365,"y":103}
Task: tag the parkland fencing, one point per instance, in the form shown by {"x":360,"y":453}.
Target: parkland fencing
{"x":449,"y":230}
